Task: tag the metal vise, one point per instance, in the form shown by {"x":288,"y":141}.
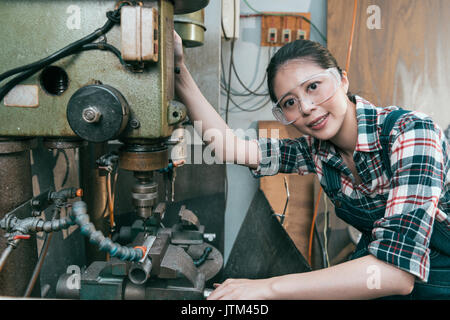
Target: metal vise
{"x":176,"y":265}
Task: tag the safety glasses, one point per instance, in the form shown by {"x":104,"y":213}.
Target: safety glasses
{"x":313,"y":91}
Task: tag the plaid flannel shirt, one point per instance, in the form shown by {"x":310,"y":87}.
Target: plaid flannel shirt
{"x":416,"y":195}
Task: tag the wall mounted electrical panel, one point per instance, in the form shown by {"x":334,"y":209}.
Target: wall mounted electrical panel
{"x":279,"y":28}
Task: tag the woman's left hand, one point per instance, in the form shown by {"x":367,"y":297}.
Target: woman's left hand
{"x":242,"y":289}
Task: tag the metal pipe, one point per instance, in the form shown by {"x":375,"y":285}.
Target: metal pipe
{"x":6,"y":253}
{"x":38,"y":267}
{"x":140,"y":271}
{"x":42,"y":255}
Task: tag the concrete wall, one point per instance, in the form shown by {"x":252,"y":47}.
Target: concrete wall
{"x":251,"y":61}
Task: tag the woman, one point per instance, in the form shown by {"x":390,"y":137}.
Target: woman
{"x":395,"y":190}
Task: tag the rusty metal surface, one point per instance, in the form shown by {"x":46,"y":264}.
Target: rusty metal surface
{"x":144,"y":161}
{"x":63,"y":143}
{"x":18,"y":145}
{"x":15,"y":189}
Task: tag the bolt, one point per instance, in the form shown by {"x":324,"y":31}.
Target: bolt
{"x":134,"y":123}
{"x":91,"y":115}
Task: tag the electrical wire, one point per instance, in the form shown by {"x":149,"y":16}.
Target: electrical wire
{"x":313,"y":222}
{"x":66,"y":158}
{"x":25,"y":72}
{"x":5,"y":254}
{"x":350,"y":43}
{"x":230,"y":67}
{"x":234,"y":92}
{"x":111,"y":188}
{"x":30,"y":72}
{"x":253,"y":92}
{"x":42,"y":255}
{"x":248,"y":92}
{"x":110,"y":200}
{"x":226,"y":88}
{"x":257,"y":106}
{"x":229,"y":83}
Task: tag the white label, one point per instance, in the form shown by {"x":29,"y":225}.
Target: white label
{"x":23,"y":96}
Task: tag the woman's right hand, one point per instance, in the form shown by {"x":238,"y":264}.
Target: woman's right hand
{"x":178,"y":49}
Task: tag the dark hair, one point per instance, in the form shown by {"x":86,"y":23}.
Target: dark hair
{"x":303,"y":50}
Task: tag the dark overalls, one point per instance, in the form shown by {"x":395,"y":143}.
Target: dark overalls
{"x":438,"y":285}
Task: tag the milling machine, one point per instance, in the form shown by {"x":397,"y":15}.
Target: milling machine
{"x":103,"y":72}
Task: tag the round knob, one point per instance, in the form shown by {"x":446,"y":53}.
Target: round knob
{"x":98,"y":113}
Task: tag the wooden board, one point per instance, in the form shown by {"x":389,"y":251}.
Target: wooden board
{"x":406,"y":62}
{"x":301,"y":188}
{"x":303,"y":194}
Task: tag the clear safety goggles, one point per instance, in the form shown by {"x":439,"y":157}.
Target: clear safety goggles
{"x":313,"y":91}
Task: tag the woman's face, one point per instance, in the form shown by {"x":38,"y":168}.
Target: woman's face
{"x":322,"y":121}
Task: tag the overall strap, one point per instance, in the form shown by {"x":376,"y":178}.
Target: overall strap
{"x":332,"y":178}
{"x":388,"y":125}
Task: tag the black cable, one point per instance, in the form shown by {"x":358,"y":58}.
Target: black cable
{"x":66,"y":158}
{"x":229,"y":69}
{"x":11,"y":84}
{"x":253,"y":108}
{"x":256,"y":107}
{"x":25,"y":75}
{"x":32,"y":68}
{"x":242,"y":83}
{"x":104,"y":47}
{"x":229,"y":85}
{"x":234,"y":92}
{"x":249,"y":91}
{"x":198,"y":262}
{"x":223,"y":30}
{"x":60,"y":53}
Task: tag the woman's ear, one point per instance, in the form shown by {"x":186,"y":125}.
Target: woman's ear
{"x":344,"y":81}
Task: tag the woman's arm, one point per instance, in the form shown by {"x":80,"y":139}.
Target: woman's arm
{"x":363,"y":278}
{"x":228,"y":147}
